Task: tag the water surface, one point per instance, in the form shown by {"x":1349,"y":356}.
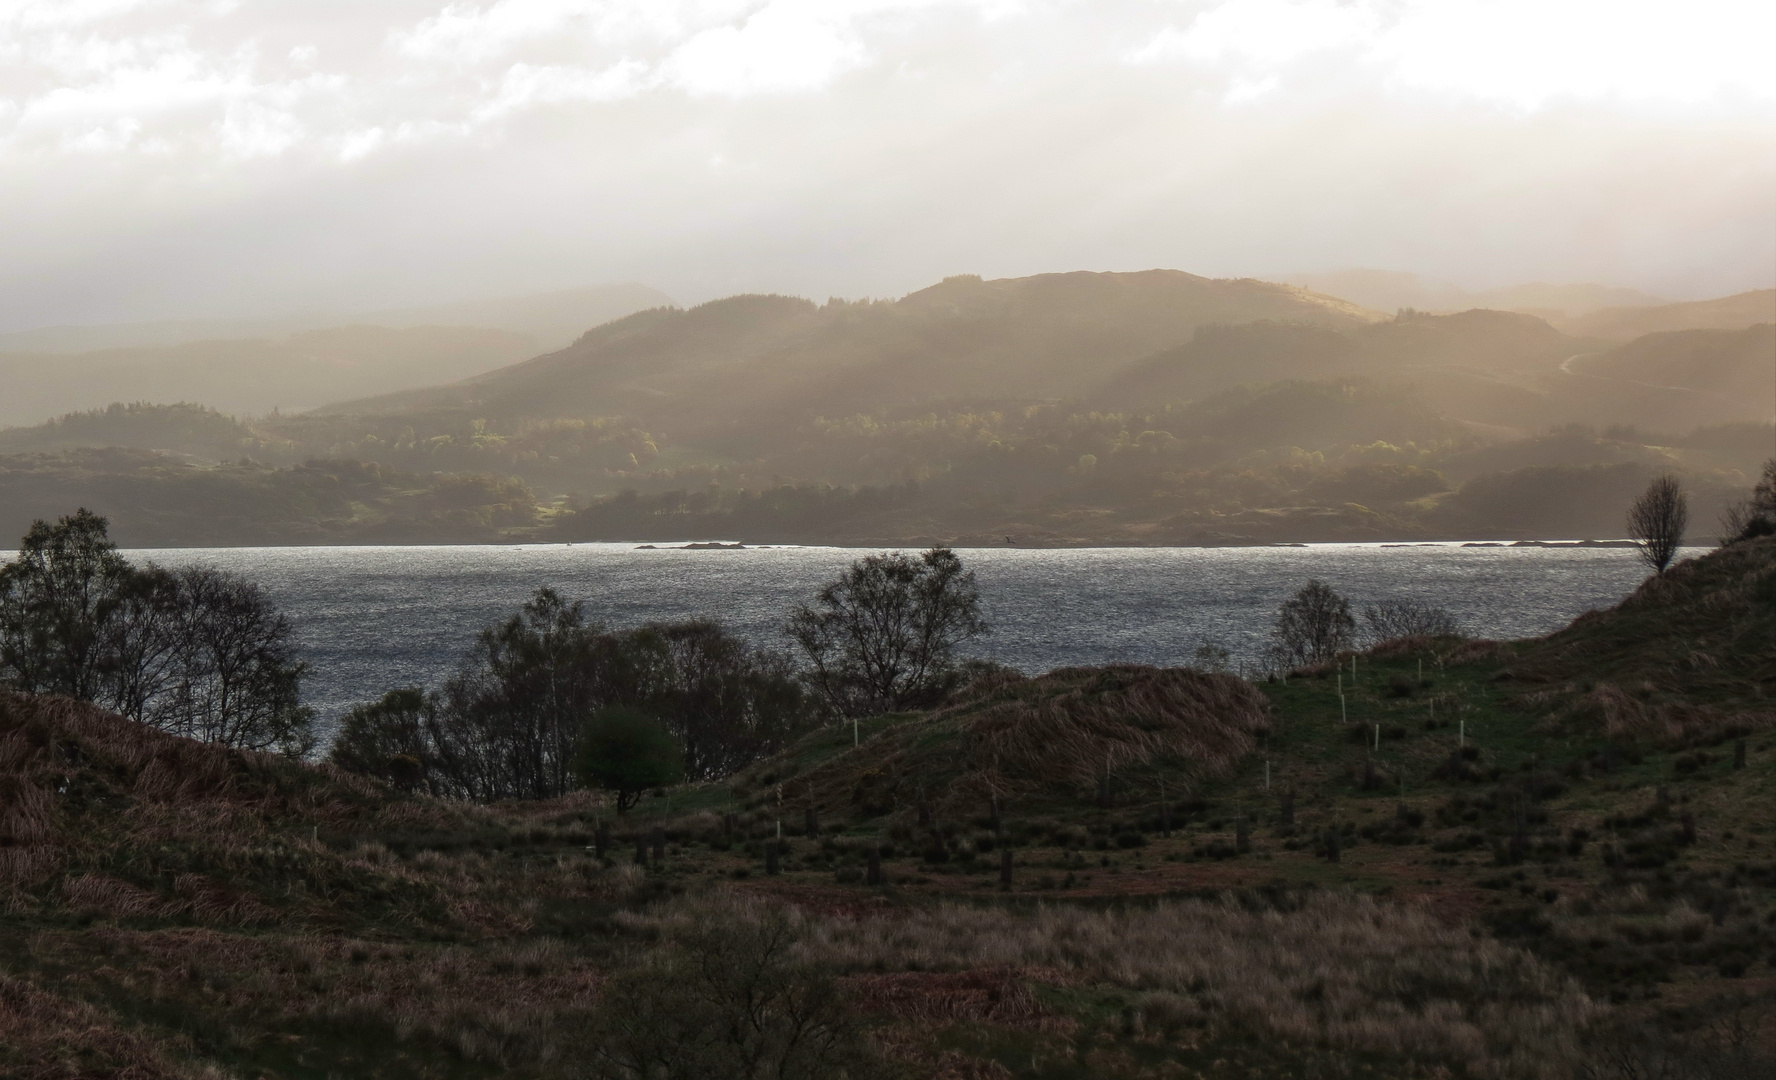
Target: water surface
{"x":372,"y":618}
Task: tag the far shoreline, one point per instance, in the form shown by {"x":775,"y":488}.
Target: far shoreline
{"x":919,"y":543}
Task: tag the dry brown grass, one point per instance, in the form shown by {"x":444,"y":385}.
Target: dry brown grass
{"x":505,"y":1004}
{"x":1689,"y":657}
{"x":1342,"y":972}
{"x":1064,"y":731}
{"x":107,"y":817}
{"x":995,"y":996}
{"x":44,"y":1037}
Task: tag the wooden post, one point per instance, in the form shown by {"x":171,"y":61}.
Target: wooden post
{"x":856,"y":739}
{"x":1378,"y":738}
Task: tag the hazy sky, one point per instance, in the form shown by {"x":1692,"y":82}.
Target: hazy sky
{"x":170,"y":158}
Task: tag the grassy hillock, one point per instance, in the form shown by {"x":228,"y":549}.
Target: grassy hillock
{"x":1688,"y":659}
{"x":1436,"y":858}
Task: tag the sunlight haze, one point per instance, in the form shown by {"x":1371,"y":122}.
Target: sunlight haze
{"x":181,"y":159}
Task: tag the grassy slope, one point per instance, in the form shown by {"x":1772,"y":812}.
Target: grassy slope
{"x":184,"y":908}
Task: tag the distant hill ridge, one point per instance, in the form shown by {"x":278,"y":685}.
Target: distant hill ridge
{"x":749,"y":359}
{"x":1734,"y":312}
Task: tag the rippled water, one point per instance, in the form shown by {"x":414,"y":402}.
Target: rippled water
{"x":372,"y":618}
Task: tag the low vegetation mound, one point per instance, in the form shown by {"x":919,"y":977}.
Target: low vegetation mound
{"x":1674,"y":661}
{"x":1063,"y":734}
{"x":102,"y":815}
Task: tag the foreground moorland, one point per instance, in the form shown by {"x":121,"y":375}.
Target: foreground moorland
{"x":1438,"y":858}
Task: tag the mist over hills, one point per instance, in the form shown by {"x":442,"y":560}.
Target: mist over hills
{"x":295,"y":362}
{"x":1390,"y":290}
{"x":717,"y":367}
{"x":253,"y":376}
{"x":552,"y":318}
{"x":1155,"y":407}
{"x":1725,"y":313}
{"x":1581,"y":310}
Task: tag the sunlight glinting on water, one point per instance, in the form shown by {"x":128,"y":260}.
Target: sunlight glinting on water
{"x":373,"y":618}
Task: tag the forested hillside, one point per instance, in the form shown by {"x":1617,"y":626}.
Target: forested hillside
{"x":1156,"y":407}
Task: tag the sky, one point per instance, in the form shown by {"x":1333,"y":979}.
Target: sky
{"x":212,"y":158}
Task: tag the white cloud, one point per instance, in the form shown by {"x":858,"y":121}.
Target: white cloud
{"x":788,"y":143}
{"x":782,"y":48}
{"x":529,"y":85}
{"x":1262,"y":33}
{"x":251,"y":130}
{"x":1523,"y":53}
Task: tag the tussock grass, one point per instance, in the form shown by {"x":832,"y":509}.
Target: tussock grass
{"x":1673,"y":662}
{"x":1343,"y":972}
{"x":104,"y":817}
{"x":46,"y":1037}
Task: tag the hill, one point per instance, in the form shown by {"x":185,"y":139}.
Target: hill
{"x":1730,"y":364}
{"x":1147,"y":408}
{"x":1688,"y":660}
{"x":1675,"y":379}
{"x":733,"y":369}
{"x":184,"y":429}
{"x":1424,"y":349}
{"x":163,"y":500}
{"x":1391,"y":290}
{"x":1725,"y":313}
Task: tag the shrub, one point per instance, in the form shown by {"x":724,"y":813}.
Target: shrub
{"x":626,"y":751}
{"x":729,"y":994}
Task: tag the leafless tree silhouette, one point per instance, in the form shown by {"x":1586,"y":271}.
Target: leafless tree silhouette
{"x":1657,"y":521}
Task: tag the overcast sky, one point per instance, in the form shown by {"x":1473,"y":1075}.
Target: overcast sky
{"x":175,"y":158}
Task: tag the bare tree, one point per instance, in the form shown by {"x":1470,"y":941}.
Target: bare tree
{"x":883,"y":635}
{"x":234,"y":677}
{"x":1657,"y":521}
{"x":197,"y":652}
{"x":1313,"y":626}
{"x":1389,"y":620}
